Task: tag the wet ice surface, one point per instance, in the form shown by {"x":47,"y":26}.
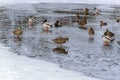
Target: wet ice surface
{"x":84,"y":55}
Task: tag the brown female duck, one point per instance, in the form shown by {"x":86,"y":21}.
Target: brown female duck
{"x":60,"y":41}
{"x":82,"y":22}
{"x":17,"y":32}
{"x":91,"y":32}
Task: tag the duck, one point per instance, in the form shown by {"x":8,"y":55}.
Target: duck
{"x":86,"y":11}
{"x":109,"y":33}
{"x":60,"y":40}
{"x":17,"y":32}
{"x":31,"y":22}
{"x":82,"y":22}
{"x":103,"y":23}
{"x":91,"y":32}
{"x":46,"y":25}
{"x":96,"y":11}
{"x":57,"y":24}
{"x":108,"y":37}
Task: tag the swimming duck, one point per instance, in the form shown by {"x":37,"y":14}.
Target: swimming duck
{"x":96,"y":11}
{"x":82,"y":22}
{"x":109,"y":33}
{"x":57,"y":24}
{"x":117,"y":19}
{"x":78,"y":15}
{"x":60,"y":41}
{"x":102,"y":23}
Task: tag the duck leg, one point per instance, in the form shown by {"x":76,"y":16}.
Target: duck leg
{"x":57,"y":45}
{"x":17,"y":36}
{"x":60,"y":45}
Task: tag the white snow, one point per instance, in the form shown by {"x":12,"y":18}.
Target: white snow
{"x":14,"y":67}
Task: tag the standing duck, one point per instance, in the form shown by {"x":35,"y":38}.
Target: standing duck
{"x":106,"y":40}
{"x":91,"y":32}
{"x":31,"y":22}
{"x":46,"y":25}
{"x":60,"y":41}
{"x":17,"y":32}
{"x":107,"y":37}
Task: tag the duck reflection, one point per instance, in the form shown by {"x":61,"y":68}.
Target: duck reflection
{"x":17,"y":39}
{"x":91,"y":40}
{"x":60,"y":50}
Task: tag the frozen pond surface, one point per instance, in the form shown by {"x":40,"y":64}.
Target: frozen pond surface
{"x":84,"y":55}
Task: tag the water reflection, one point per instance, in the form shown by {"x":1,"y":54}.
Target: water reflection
{"x":60,"y":50}
{"x":90,"y":40}
{"x":107,"y":50}
{"x":49,"y":31}
{"x":17,"y":39}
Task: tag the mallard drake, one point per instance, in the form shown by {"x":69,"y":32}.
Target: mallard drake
{"x":57,"y":24}
{"x":46,"y":25}
{"x":108,"y":37}
{"x":60,"y":50}
{"x":96,"y":11}
{"x":91,"y":32}
{"x":17,"y":32}
{"x":31,"y":22}
{"x":102,"y":23}
{"x":109,"y":33}
{"x":106,"y":40}
{"x":60,"y":41}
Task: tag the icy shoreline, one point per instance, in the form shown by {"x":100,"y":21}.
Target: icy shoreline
{"x":14,"y":67}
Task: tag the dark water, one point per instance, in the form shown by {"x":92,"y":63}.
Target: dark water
{"x":80,"y":53}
